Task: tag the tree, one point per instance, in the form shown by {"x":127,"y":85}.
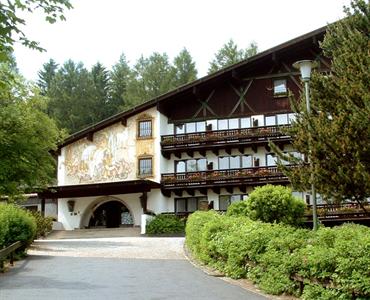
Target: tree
{"x":46,"y":75}
{"x":119,"y":77}
{"x":149,"y":78}
{"x":230,"y":54}
{"x":11,"y":22}
{"x":27,"y":135}
{"x":74,"y":103}
{"x":338,"y":129}
{"x":184,"y":69}
{"x":100,"y":80}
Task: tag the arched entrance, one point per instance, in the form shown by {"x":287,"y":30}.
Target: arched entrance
{"x":111,"y":214}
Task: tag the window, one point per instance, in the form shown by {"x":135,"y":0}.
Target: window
{"x":247,"y":161}
{"x":270,"y":160}
{"x":145,"y":129}
{"x":225,"y":200}
{"x":223,"y":124}
{"x":211,"y":125}
{"x":191,"y":165}
{"x":190,"y":204}
{"x":282,"y":119}
{"x":190,"y":127}
{"x":280,"y":87}
{"x":245,"y":122}
{"x":291,"y":117}
{"x":179,"y":129}
{"x":223,"y":163}
{"x":180,"y":167}
{"x":270,"y":120}
{"x":234,"y":162}
{"x":145,"y":167}
{"x":233,"y":123}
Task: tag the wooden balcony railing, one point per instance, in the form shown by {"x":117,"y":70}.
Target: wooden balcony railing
{"x":337,"y":212}
{"x":244,"y":176}
{"x":241,"y":135}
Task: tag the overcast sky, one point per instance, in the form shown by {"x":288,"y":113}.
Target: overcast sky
{"x":100,"y":30}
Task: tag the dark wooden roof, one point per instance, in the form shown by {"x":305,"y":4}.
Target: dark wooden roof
{"x":99,"y":189}
{"x":299,"y":42}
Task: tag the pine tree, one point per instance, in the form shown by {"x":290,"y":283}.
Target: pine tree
{"x":338,"y":128}
{"x":46,"y":75}
{"x":230,"y":54}
{"x":183,"y":68}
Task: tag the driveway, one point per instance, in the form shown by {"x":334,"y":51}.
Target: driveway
{"x":113,"y":268}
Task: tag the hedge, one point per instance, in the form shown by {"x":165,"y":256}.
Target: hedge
{"x":332,"y":263}
{"x":16,"y":224}
{"x":165,"y":224}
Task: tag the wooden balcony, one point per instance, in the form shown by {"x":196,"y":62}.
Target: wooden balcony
{"x":339,"y":213}
{"x":216,"y":179}
{"x":222,"y":139}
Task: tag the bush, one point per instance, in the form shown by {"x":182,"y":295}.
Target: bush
{"x":16,"y":225}
{"x":194,"y":231}
{"x":165,"y":224}
{"x":43,"y":224}
{"x":237,"y":209}
{"x":271,"y":204}
{"x":332,"y":262}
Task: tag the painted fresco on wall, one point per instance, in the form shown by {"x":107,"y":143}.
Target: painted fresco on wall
{"x":107,"y":158}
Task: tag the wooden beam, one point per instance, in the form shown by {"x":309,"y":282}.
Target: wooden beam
{"x":166,"y":193}
{"x":241,"y":149}
{"x":271,"y":76}
{"x":215,"y":151}
{"x":191,"y":192}
{"x":177,"y":154}
{"x":43,"y":207}
{"x":124,"y":122}
{"x":202,"y":152}
{"x":144,"y":202}
{"x":178,"y":192}
{"x":228,"y":150}
{"x":166,"y":155}
{"x":243,"y":188}
{"x":90,"y":136}
{"x":190,"y":153}
{"x":203,"y":191}
{"x":254,"y":148}
{"x":236,"y":77}
{"x":229,"y":189}
{"x":216,"y":190}
{"x":242,"y":101}
{"x":292,"y":77}
{"x":267,"y":147}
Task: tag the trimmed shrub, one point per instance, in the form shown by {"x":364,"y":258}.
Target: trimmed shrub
{"x":194,"y":231}
{"x":271,"y":204}
{"x":163,"y":224}
{"x":21,"y":226}
{"x":332,"y":263}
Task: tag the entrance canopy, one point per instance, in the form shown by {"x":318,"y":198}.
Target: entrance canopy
{"x":99,"y":189}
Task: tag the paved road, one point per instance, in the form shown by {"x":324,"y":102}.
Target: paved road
{"x":113,"y":268}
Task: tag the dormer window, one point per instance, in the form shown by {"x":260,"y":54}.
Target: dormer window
{"x":280,"y":88}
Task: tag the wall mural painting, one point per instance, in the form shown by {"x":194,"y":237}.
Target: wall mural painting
{"x":106,"y":158}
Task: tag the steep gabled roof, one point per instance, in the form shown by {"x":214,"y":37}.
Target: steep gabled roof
{"x":226,"y":72}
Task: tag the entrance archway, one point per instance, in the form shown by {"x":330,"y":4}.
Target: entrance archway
{"x":111,"y":214}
